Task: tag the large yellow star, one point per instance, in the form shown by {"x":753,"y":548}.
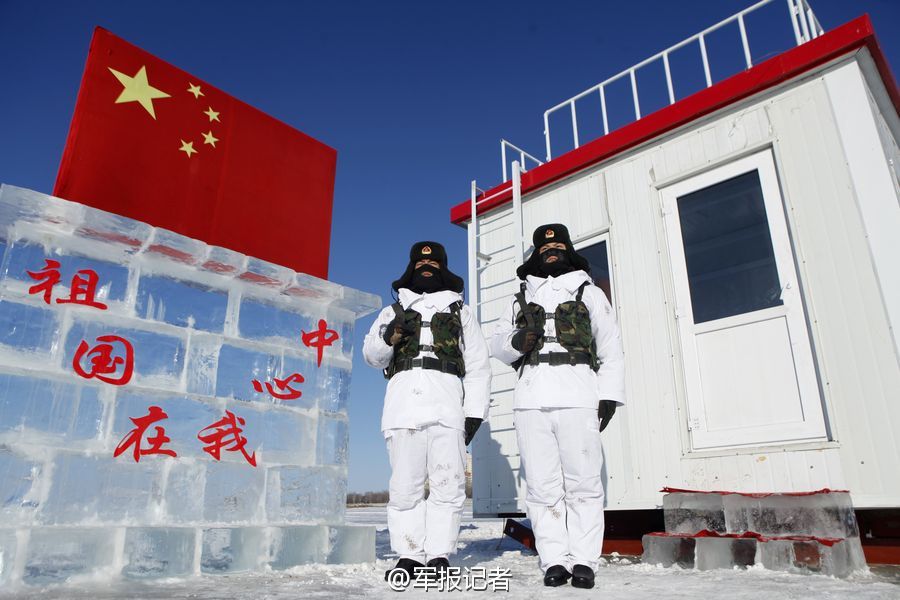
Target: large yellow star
{"x":138,"y":89}
{"x":213,"y":115}
{"x":209,"y":139}
{"x":195,"y":90}
{"x":187,"y":148}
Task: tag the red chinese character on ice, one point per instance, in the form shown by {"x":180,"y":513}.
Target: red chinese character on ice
{"x":104,"y":365}
{"x":320,"y":338}
{"x":83,"y":289}
{"x":50,"y":276}
{"x":282,"y":385}
{"x":225,"y":432}
{"x":141,"y":424}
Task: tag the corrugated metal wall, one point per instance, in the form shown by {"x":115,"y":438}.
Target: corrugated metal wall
{"x":647,"y":445}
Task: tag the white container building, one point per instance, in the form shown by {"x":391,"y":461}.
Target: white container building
{"x":748,"y":236}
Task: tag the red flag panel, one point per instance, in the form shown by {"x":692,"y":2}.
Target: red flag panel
{"x":154,"y":143}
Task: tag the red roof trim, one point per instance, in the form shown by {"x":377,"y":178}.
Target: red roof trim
{"x":833,"y":44}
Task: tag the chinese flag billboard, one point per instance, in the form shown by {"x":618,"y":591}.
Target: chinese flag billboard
{"x":154,"y":143}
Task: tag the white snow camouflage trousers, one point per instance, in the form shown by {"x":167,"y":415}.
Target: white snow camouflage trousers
{"x":563,"y":460}
{"x":425,"y":529}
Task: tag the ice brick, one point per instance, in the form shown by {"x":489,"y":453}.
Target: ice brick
{"x":225,"y":262}
{"x":687,"y":512}
{"x":159,"y":552}
{"x":19,"y":486}
{"x":237,"y":369}
{"x":278,"y":435}
{"x":202,"y":363}
{"x":724,"y":553}
{"x":27,"y":328}
{"x":181,"y":303}
{"x":331,"y":441}
{"x":838,"y":560}
{"x":259,"y":320}
{"x":176,"y":247}
{"x":267,"y":274}
{"x":300,"y":545}
{"x":348,"y":544}
{"x":668,"y":550}
{"x":92,"y":489}
{"x":33,"y":406}
{"x":54,"y":554}
{"x":185,"y":485}
{"x":20,"y":205}
{"x":24,"y":256}
{"x":358,"y":303}
{"x":229,"y":550}
{"x":306,"y":494}
{"x":824,"y":515}
{"x":8,"y":546}
{"x":233,"y":493}
{"x":305,"y":366}
{"x":335,"y":389}
{"x":158,"y":357}
{"x":117,"y":232}
{"x":186,"y":418}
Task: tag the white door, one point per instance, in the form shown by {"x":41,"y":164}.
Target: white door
{"x":748,"y":364}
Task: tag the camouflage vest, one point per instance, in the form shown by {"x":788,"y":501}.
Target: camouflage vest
{"x":573,"y":332}
{"x":446,"y":332}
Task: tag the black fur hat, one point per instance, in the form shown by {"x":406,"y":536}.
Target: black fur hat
{"x":433,"y":251}
{"x":546,"y":234}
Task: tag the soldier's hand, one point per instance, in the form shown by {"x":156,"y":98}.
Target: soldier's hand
{"x":605,"y":412}
{"x":396,"y":330}
{"x":525,"y":338}
{"x":472,"y":425}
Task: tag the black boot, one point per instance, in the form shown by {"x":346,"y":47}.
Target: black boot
{"x":556,"y":575}
{"x":405,"y":564}
{"x":440,"y":566}
{"x":582,"y":577}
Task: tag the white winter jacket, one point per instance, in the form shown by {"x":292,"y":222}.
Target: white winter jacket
{"x":557,"y":386}
{"x":419,"y":397}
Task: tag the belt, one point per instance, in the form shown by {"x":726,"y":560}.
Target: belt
{"x":564,"y":358}
{"x":427,"y":362}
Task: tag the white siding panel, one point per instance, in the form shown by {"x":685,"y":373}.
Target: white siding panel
{"x":645,"y":446}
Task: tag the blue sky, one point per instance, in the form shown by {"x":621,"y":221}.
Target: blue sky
{"x":415,"y":96}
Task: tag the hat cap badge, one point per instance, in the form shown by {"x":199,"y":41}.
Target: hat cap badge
{"x":426,"y":250}
{"x":549,"y":234}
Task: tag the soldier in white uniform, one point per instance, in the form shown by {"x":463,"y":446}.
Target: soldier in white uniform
{"x":436,"y":360}
{"x":560,"y":334}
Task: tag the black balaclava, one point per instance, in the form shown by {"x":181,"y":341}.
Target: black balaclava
{"x":423,"y":284}
{"x":569,"y":259}
{"x":560,"y":266}
{"x":441,"y":279}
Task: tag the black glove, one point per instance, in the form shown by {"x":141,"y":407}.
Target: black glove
{"x":472,"y":425}
{"x":605,"y":412}
{"x":525,"y":338}
{"x":392,"y":327}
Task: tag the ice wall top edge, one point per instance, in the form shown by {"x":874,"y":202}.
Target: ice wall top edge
{"x":21,"y":207}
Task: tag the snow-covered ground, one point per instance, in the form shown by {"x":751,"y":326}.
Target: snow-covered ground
{"x":482,"y":545}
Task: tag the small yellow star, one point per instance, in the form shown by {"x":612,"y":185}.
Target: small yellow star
{"x":213,"y":115}
{"x":195,"y":90}
{"x":187,"y":148}
{"x":138,"y":89}
{"x":209,"y":139}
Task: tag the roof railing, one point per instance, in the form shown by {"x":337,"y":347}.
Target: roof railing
{"x":804,"y":24}
{"x":522,"y":156}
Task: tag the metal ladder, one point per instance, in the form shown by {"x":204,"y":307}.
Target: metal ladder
{"x":479,"y":261}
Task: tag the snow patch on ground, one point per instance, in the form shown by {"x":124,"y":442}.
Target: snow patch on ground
{"x":483,"y":545}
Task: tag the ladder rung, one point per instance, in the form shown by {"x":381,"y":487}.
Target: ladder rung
{"x":492,"y":230}
{"x":494,"y":263}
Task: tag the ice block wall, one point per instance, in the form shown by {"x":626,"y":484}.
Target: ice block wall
{"x":167,"y":408}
